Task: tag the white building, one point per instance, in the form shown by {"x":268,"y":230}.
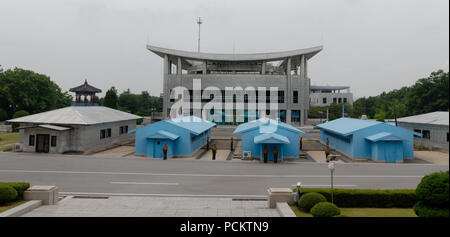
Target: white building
{"x":326,"y":95}
{"x":433,"y":127}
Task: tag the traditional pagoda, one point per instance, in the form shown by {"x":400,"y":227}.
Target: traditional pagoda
{"x":85,"y":90}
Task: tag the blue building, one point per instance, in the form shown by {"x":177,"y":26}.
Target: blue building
{"x":183,"y":136}
{"x":271,"y":133}
{"x":373,"y":140}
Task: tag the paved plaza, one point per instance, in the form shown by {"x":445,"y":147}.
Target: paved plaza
{"x":154,"y":207}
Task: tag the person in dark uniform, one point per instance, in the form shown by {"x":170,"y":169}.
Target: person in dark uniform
{"x":214,"y":150}
{"x":265,"y":153}
{"x":275,"y":155}
{"x":207,"y":144}
{"x":327,"y":149}
{"x":231,"y":148}
{"x":165,"y":149}
{"x":301,"y":143}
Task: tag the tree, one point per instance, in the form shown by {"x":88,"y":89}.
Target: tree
{"x":110,"y":99}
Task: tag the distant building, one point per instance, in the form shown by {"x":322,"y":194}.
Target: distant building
{"x":326,"y":95}
{"x":83,"y":127}
{"x":271,"y":133}
{"x":377,"y":141}
{"x":183,"y":136}
{"x":287,"y":71}
{"x":433,"y":127}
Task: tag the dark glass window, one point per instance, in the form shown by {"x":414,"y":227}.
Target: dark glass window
{"x":295,"y":97}
{"x":324,"y":100}
{"x":340,"y":100}
{"x":417,"y":131}
{"x":267,"y":96}
{"x":345,"y":100}
{"x":121,"y":130}
{"x":108,"y":134}
{"x":53,"y":141}
{"x":426,"y":134}
{"x":334,"y":100}
{"x":126,"y":129}
{"x":102,"y":133}
{"x":281,"y":97}
{"x":31,"y":140}
{"x":246,"y":98}
{"x":295,"y":116}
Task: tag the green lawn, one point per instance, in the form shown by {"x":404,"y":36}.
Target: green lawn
{"x":9,"y":205}
{"x":365,"y":212}
{"x":7,"y":140}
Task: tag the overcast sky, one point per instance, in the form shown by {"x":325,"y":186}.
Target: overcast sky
{"x":370,"y":45}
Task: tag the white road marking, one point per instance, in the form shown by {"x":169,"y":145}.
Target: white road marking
{"x":211,"y":175}
{"x":144,"y":183}
{"x":327,"y":185}
{"x":164,"y":195}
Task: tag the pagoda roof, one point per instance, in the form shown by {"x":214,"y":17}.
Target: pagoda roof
{"x":85,"y":88}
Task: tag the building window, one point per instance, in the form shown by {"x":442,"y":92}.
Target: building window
{"x":126,"y":129}
{"x":295,"y":97}
{"x":426,"y":134}
{"x":121,"y":130}
{"x":334,"y":100}
{"x":53,"y":141}
{"x":31,"y":140}
{"x":108,"y":132}
{"x":340,"y":100}
{"x":295,"y":116}
{"x":281,"y":97}
{"x":102,"y":133}
{"x":246,"y":98}
{"x":417,"y":131}
{"x":345,"y":100}
{"x":267,"y":96}
{"x":324,"y":100}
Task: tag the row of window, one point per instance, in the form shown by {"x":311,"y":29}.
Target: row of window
{"x":335,"y":100}
{"x":32,"y":140}
{"x":104,"y":133}
{"x":211,"y":97}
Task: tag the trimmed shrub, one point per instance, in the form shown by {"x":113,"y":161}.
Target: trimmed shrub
{"x":433,"y":189}
{"x":7,"y":193}
{"x":423,"y":210}
{"x":325,"y":209}
{"x":401,"y":198}
{"x":307,"y":201}
{"x":20,"y":188}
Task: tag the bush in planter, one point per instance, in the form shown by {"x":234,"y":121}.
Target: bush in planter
{"x":7,"y":193}
{"x":20,"y":188}
{"x":433,"y":195}
{"x":308,"y":200}
{"x":325,"y":209}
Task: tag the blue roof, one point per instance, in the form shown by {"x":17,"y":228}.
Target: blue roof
{"x":161,"y":134}
{"x":271,"y":138}
{"x":346,"y":126}
{"x":194,"y":124}
{"x":265,"y":125}
{"x":383,"y":136}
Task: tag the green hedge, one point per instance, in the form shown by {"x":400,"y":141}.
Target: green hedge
{"x":423,"y":210}
{"x":20,"y":187}
{"x":433,"y":195}
{"x":307,"y":201}
{"x":401,"y":198}
{"x":7,"y":193}
{"x":325,"y":209}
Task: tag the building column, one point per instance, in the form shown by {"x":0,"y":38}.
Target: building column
{"x":179,"y":69}
{"x":204,"y":67}
{"x":304,"y":105}
{"x":166,"y":95}
{"x":288,"y":90}
{"x":263,"y":68}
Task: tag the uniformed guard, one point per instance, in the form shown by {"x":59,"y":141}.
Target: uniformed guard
{"x":214,"y":150}
{"x":275,"y":155}
{"x":207,"y":144}
{"x":301,"y":143}
{"x":231,"y":148}
{"x":265,"y":153}
{"x":165,"y":149}
{"x":327,"y":149}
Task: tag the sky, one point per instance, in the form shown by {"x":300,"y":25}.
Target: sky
{"x":370,"y":45}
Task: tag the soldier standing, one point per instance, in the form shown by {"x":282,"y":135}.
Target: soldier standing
{"x":275,"y":155}
{"x":207,"y":144}
{"x":265,"y":153}
{"x":165,"y":149}
{"x":231,"y":143}
{"x":301,"y":143}
{"x":214,"y":150}
{"x":327,"y":149}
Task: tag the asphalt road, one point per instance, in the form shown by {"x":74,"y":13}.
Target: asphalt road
{"x":89,"y":175}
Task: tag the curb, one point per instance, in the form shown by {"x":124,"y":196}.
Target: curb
{"x":284,"y":210}
{"x":21,"y":209}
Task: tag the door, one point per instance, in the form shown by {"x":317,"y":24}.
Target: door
{"x":391,"y":153}
{"x":42,"y":143}
{"x":158,"y":146}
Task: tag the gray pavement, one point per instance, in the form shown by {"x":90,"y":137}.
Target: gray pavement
{"x":154,"y":207}
{"x":136,"y":176}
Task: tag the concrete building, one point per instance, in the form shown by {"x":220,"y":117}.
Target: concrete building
{"x":433,"y":127}
{"x":183,"y":136}
{"x":269,"y":133}
{"x":326,"y":95}
{"x":83,"y":127}
{"x":377,"y":141}
{"x":287,"y":71}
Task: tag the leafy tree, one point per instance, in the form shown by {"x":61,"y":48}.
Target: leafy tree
{"x":3,"y":115}
{"x":20,"y":113}
{"x":110,"y":99}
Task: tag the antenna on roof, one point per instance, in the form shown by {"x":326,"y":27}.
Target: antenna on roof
{"x":199,"y":22}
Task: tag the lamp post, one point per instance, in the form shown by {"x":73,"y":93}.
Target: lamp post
{"x":331,"y":166}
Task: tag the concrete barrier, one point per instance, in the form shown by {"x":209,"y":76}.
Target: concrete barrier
{"x":21,"y":209}
{"x":279,"y":195}
{"x":284,"y":210}
{"x":47,"y":194}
